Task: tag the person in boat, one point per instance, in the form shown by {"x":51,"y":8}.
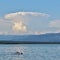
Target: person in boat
{"x":19,"y":53}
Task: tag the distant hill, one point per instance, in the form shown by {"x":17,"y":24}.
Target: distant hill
{"x":50,"y":37}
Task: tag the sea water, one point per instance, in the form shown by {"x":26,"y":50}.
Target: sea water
{"x":30,"y":51}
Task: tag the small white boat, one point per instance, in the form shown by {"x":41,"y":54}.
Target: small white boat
{"x":19,"y":51}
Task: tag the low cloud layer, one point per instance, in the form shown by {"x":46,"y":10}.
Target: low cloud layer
{"x":55,"y":24}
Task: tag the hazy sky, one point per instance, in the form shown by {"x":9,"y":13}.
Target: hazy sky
{"x":29,"y":16}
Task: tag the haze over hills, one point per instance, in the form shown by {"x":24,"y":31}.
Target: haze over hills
{"x":50,"y":37}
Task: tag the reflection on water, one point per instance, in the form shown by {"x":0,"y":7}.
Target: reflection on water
{"x":30,"y":52}
{"x":8,"y":52}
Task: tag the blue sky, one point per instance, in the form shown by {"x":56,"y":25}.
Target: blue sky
{"x":31,"y":23}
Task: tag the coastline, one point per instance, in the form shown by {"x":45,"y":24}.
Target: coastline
{"x":27,"y":42}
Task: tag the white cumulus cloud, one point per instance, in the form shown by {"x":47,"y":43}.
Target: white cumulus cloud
{"x":19,"y":27}
{"x":22,"y":22}
{"x":20,"y":19}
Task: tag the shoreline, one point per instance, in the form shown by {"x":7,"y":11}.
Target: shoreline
{"x":27,"y":42}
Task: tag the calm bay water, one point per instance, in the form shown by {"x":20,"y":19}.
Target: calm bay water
{"x":30,"y":51}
